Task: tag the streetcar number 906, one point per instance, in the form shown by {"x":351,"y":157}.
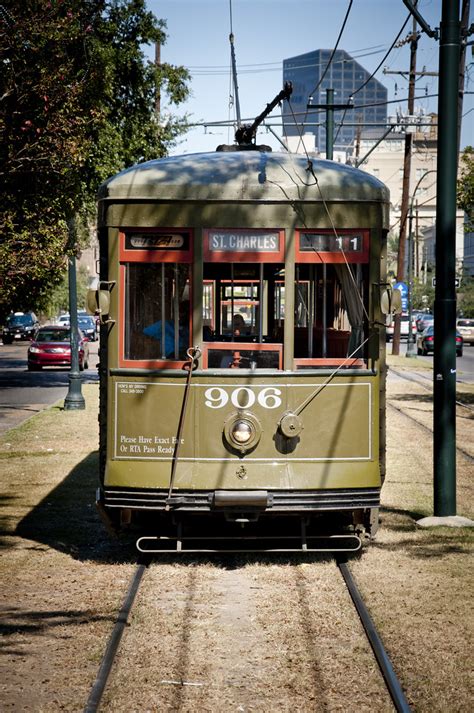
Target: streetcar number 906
{"x":243,"y":397}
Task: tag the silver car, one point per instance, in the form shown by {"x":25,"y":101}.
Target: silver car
{"x":466,"y":328}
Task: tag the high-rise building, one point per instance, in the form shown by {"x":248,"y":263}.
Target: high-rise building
{"x":345,"y":75}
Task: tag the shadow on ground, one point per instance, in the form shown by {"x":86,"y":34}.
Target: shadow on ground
{"x":67,"y":519}
{"x":423,"y":543}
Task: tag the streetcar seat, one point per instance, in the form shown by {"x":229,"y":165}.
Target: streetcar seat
{"x":337,"y":341}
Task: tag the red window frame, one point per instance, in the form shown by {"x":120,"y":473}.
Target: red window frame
{"x":348,"y":362}
{"x":155,"y":254}
{"x":240,"y":346}
{"x":147,"y":256}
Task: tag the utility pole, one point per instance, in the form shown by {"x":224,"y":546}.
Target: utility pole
{"x":406,"y":183}
{"x":329,"y":123}
{"x":462,"y":65}
{"x":329,"y":107}
{"x":357,"y":144}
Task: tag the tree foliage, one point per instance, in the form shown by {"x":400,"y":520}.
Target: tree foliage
{"x":465,"y":192}
{"x":77,"y":104}
{"x":58,"y":298}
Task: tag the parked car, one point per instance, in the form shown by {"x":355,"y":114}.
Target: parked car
{"x":466,"y":328}
{"x":404,"y":321}
{"x":63,"y":320}
{"x":425,"y":342}
{"x":19,"y":326}
{"x":87,"y":325}
{"x":51,"y":346}
{"x":426,"y":320}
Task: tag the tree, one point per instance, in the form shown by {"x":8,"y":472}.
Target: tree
{"x":77,"y":104}
{"x":58,"y":297}
{"x":465,"y":297}
{"x":465,"y":192}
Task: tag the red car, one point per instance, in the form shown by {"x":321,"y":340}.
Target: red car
{"x":51,"y":346}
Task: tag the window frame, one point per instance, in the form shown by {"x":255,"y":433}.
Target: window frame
{"x":147,"y":256}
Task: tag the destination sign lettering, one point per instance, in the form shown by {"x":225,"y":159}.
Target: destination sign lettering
{"x":161,"y":241}
{"x":232,"y":241}
{"x":330,"y":243}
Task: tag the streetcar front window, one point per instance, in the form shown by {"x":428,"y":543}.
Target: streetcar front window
{"x":243,"y":305}
{"x":157,"y":311}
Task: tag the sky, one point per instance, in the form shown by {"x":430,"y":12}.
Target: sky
{"x":268,"y":31}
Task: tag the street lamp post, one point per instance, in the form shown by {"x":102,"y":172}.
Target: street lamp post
{"x":411,"y":351}
{"x":74,"y":398}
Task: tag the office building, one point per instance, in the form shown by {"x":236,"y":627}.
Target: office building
{"x":345,"y":75}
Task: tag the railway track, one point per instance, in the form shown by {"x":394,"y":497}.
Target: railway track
{"x":427,"y":383}
{"x":424,"y":383}
{"x":113,"y":643}
{"x":390,"y":679}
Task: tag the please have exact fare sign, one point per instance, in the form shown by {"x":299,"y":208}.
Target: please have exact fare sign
{"x":232,"y":241}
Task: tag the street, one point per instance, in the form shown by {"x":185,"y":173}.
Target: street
{"x":24,"y":393}
{"x":464,"y":364}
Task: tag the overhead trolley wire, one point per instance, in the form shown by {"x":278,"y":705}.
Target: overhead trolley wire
{"x":334,"y":50}
{"x":321,"y":79}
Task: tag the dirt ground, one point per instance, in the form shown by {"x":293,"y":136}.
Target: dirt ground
{"x":235,"y":633}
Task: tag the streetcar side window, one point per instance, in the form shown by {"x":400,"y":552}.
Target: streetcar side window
{"x":329,"y":312}
{"x":157,"y":311}
{"x":331,"y":299}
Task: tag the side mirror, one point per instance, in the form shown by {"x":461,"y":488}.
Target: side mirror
{"x":391,"y":301}
{"x":98,"y":302}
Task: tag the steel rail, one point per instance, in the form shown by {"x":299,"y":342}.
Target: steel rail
{"x":399,"y":410}
{"x":100,"y":683}
{"x":420,"y":378}
{"x":388,"y":673}
{"x":464,"y":453}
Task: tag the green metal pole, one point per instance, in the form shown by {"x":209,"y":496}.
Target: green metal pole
{"x":74,"y":398}
{"x":444,"y":405}
{"x":329,"y":123}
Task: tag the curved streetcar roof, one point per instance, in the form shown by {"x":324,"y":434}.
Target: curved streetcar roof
{"x":243,"y":175}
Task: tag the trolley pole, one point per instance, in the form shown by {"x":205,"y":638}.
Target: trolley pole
{"x":74,"y":399}
{"x":444,"y":387}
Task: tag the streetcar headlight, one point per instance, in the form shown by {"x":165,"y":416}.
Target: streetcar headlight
{"x":241,"y":432}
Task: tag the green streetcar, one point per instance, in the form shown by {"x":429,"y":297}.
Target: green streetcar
{"x":242,"y":298}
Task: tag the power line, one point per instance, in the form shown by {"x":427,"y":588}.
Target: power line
{"x":334,"y":50}
{"x":216,"y":70}
{"x":373,"y":73}
{"x":326,"y":69}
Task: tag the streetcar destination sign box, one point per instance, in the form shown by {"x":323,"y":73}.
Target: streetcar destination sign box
{"x":157,"y":241}
{"x":332,"y":246}
{"x":328,"y":242}
{"x":227,"y":241}
{"x":243,"y":245}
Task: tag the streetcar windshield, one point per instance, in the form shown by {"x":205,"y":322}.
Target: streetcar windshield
{"x":245,"y":307}
{"x":256,"y":311}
